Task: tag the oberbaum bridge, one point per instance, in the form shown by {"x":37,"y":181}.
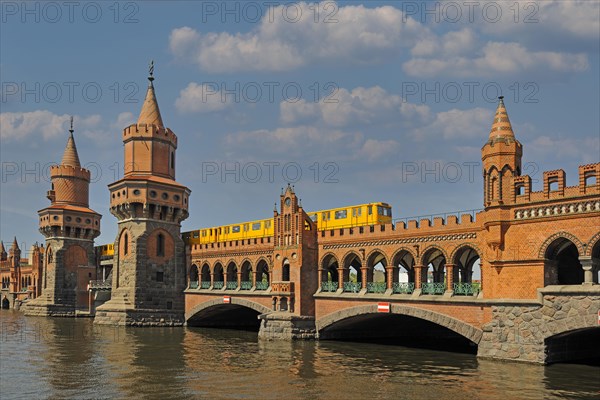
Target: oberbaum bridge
{"x":411,"y":281}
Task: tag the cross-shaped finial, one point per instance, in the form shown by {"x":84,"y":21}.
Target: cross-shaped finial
{"x":71,"y":130}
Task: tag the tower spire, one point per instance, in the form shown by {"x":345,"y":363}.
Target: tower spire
{"x":150,"y":114}
{"x":15,"y":245}
{"x":70,"y":156}
{"x":501,"y":128}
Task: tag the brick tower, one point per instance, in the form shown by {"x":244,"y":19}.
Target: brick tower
{"x":501,"y":157}
{"x":70,"y":227}
{"x":149,"y":274}
{"x":295,"y":272}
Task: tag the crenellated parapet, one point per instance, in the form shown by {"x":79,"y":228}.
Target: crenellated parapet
{"x":555,"y":188}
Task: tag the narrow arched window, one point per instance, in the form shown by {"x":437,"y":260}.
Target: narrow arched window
{"x":160,"y":245}
{"x":125,"y":244}
{"x":172,"y":160}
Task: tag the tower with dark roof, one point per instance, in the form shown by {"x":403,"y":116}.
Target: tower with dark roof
{"x":70,"y":227}
{"x":149,"y":276}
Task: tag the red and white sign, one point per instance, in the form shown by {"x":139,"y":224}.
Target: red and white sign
{"x":227,"y":299}
{"x":598,"y":317}
{"x":383,"y":307}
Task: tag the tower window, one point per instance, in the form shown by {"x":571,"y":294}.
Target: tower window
{"x":160,"y":276}
{"x":125,"y":244}
{"x":172,"y":160}
{"x":160,"y":245}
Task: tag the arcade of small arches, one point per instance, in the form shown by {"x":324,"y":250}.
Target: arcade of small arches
{"x":230,"y":275}
{"x":430,"y":272}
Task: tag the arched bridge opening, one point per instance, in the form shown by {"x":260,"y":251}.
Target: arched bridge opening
{"x":402,"y":329}
{"x":579,"y":346}
{"x":241,"y":314}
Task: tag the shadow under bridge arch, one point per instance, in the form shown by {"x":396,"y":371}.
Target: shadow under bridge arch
{"x":237,"y":314}
{"x":403,"y":326}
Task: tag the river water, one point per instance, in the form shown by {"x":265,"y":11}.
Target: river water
{"x":72,"y":358}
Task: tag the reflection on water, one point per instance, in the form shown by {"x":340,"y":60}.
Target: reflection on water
{"x":67,"y":358}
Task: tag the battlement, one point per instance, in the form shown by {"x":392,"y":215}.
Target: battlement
{"x":149,"y":131}
{"x":57,"y":171}
{"x":554,"y":185}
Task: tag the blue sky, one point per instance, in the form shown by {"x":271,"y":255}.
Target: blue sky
{"x":369,"y":101}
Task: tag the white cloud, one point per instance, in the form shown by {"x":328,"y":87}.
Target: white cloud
{"x":41,"y":123}
{"x":361,"y":105}
{"x":456,"y":124}
{"x":544,"y":147}
{"x":453,"y":43}
{"x":574,"y":18}
{"x":202,"y":98}
{"x":356,"y":35}
{"x":308,"y":143}
{"x":498,"y":59}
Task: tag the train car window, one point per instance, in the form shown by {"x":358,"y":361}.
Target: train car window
{"x":235,"y":228}
{"x":314,"y":217}
{"x":196,"y":234}
{"x":341,"y":214}
{"x":267,"y":224}
{"x":204,"y":233}
{"x":370,"y":210}
{"x":245,"y":227}
{"x":256,"y":226}
{"x":356,"y":212}
{"x":385,"y":211}
{"x":325,"y":216}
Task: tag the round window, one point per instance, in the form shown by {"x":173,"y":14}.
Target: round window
{"x":78,"y":219}
{"x":68,"y":219}
{"x":136,"y":192}
{"x":152,"y":193}
{"x":176,"y":197}
{"x":165,"y":196}
{"x":88,"y":221}
{"x":55,"y":218}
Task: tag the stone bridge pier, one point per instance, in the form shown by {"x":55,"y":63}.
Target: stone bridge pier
{"x":564,"y":324}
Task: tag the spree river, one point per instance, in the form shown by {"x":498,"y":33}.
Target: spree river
{"x":72,"y":358}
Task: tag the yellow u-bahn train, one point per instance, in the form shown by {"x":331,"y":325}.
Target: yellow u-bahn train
{"x":344,"y":217}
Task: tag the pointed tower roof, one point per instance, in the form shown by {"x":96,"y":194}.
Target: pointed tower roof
{"x":15,"y":245}
{"x":70,"y":156}
{"x":2,"y":249}
{"x":150,"y":114}
{"x":501,"y":128}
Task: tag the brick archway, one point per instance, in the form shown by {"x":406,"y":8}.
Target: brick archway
{"x":259,"y":308}
{"x":470,"y":332}
{"x":560,"y":235}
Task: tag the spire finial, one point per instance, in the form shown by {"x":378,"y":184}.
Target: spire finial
{"x":151,"y":71}
{"x":71,"y":130}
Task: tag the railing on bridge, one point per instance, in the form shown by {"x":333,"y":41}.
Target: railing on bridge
{"x":433,"y":287}
{"x":218,"y":284}
{"x":352,"y":287}
{"x":262,"y":285}
{"x":205,"y":285}
{"x":246,"y":285}
{"x":282,"y":287}
{"x":329,"y":286}
{"x":466,"y":289}
{"x":376,"y":287}
{"x":231,"y":285}
{"x":193,"y":284}
{"x":403,"y":287}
